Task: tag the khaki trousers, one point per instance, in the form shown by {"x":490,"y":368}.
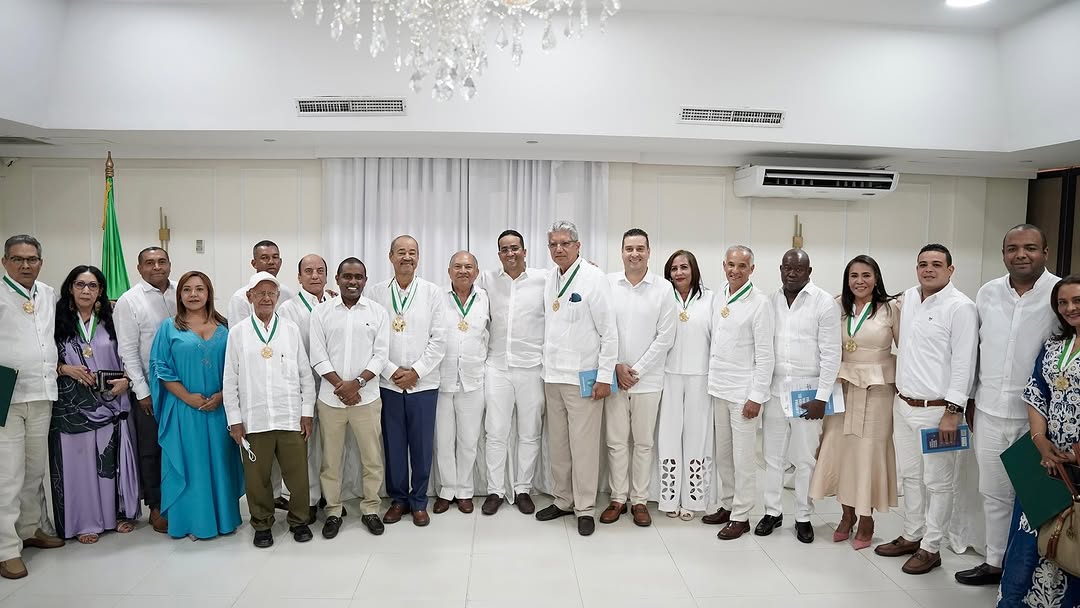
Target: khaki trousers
{"x":24,"y":460}
{"x":574,"y":447}
{"x":365,"y":422}
{"x":289,"y":450}
{"x":630,"y":417}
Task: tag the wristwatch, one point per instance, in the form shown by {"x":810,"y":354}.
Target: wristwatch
{"x":952,"y":408}
{"x":363,"y":382}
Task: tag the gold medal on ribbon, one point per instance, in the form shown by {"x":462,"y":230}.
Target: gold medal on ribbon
{"x":87,"y":351}
{"x":561,"y":290}
{"x":1065,"y":359}
{"x":267,"y":352}
{"x":1061,"y":383}
{"x":555,"y":306}
{"x":463,"y":325}
{"x":398,"y":324}
{"x":28,"y":307}
{"x":850,"y":345}
{"x":684,"y":316}
{"x":725,"y":312}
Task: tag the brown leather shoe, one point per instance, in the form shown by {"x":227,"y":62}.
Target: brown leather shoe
{"x":922,"y":562}
{"x":441,"y":505}
{"x":41,"y":540}
{"x":13,"y":568}
{"x":491,"y":504}
{"x":896,"y":548}
{"x":722,"y":516}
{"x":641,"y":516}
{"x":465,"y":505}
{"x":524,"y":503}
{"x":394,"y":513}
{"x":733,"y":530}
{"x":612,"y":513}
{"x":157,"y":522}
{"x":420,"y":518}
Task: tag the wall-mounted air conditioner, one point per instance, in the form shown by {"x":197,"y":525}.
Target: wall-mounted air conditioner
{"x":809,"y":182}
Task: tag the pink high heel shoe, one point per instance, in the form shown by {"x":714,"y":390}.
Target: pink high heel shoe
{"x":838,"y":536}
{"x":859,"y":545}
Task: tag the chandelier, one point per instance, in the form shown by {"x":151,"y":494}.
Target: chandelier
{"x":446,"y":40}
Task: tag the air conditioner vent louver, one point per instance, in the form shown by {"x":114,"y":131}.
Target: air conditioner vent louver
{"x":351,"y":106}
{"x":848,"y":180}
{"x":813,"y":182}
{"x":732,"y":116}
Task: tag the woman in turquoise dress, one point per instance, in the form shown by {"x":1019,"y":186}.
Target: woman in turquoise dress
{"x":202,"y":478}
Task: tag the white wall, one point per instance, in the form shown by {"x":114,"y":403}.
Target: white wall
{"x":233,"y":204}
{"x":1040,"y":74}
{"x":29,"y":48}
{"x":695,"y":208}
{"x":207,"y":66}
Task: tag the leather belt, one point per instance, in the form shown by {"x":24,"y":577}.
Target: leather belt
{"x":923,"y":402}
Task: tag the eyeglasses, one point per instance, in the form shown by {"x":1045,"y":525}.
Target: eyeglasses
{"x":81,"y":285}
{"x":510,"y":249}
{"x":260,"y":295}
{"x":562,"y":245}
{"x":19,"y":261}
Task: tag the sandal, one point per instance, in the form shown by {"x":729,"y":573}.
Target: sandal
{"x":672,"y":514}
{"x":686,"y":514}
{"x":125,"y":526}
{"x":88,"y":539}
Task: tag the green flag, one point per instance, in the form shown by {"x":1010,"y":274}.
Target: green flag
{"x":112,"y":252}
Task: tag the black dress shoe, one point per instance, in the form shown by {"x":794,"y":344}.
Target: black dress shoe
{"x":551,"y":512}
{"x":344,"y":511}
{"x":983,"y":574}
{"x":301,"y":533}
{"x":767,"y":524}
{"x":491,"y":504}
{"x":374,"y":525}
{"x":263,"y":539}
{"x":311,"y":514}
{"x":281,"y":503}
{"x":804,"y":531}
{"x":524,"y":503}
{"x":331,"y":526}
{"x":586,"y":525}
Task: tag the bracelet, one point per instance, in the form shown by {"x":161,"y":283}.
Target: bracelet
{"x":1037,"y":435}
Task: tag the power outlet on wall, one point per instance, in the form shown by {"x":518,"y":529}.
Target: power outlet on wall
{"x":199,"y":247}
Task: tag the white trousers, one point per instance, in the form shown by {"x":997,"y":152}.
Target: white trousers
{"x":516,"y":391}
{"x":24,"y":461}
{"x":459,"y":418}
{"x":630,"y":419}
{"x":929,"y":479}
{"x":314,"y":465}
{"x":793,"y":440}
{"x":993,"y":435}
{"x":735,"y":458}
{"x":684,"y":443}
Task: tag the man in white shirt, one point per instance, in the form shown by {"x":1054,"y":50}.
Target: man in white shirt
{"x":806,"y":347}
{"x":311,"y":274}
{"x":580,"y":335}
{"x":350,"y":346}
{"x":409,"y":383}
{"x":459,"y":417}
{"x":137,"y":316}
{"x":1015,"y":318}
{"x":935,"y":371}
{"x":513,"y":383}
{"x":27,"y":323}
{"x":269,"y":398}
{"x":740,"y":373}
{"x":265,"y":257}
{"x":645,"y":317}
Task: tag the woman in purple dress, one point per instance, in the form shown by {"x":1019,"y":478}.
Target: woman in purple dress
{"x":95,"y":482}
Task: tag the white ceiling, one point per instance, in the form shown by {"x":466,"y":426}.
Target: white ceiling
{"x":995,"y":14}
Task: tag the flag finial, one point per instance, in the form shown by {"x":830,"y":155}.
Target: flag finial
{"x":109,"y":166}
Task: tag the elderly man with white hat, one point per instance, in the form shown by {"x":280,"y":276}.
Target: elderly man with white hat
{"x":269,"y":397}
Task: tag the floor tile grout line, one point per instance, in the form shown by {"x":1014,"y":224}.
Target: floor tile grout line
{"x":682,"y":577}
{"x":472,"y":556}
{"x":360,"y":580}
{"x":573,"y":561}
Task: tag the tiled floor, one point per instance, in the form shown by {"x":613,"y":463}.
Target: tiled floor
{"x":481,"y":562}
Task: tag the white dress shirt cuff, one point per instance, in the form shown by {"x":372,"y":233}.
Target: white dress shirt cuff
{"x":324,"y":367}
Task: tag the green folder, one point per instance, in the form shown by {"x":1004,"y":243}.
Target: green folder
{"x":1042,"y":497}
{"x":7,"y":389}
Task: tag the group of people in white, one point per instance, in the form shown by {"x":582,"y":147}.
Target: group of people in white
{"x":670,"y":378}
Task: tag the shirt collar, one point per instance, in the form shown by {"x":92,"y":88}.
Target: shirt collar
{"x":646,"y":280}
{"x":337,"y":301}
{"x":945,"y":291}
{"x":33,"y":288}
{"x":147,"y":287}
{"x":314,"y":299}
{"x":570,"y":270}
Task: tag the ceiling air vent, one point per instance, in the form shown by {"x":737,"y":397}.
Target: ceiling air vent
{"x":21,"y":141}
{"x":351,"y":106}
{"x":732,"y":116}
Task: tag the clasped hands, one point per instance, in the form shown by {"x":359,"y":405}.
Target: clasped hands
{"x":405,"y":378}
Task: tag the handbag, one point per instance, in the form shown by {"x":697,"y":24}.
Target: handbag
{"x":1059,"y":538}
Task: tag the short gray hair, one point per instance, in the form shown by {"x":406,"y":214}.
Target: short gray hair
{"x":21,"y":239}
{"x":564,"y":226}
{"x":742,"y":249}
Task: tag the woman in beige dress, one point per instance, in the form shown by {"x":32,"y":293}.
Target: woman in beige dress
{"x":856,"y":462}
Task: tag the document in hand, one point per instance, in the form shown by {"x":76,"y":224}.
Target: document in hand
{"x":797,"y":391}
{"x":932,"y":443}
{"x":587,"y":378}
{"x":1042,"y":497}
{"x":7,"y":389}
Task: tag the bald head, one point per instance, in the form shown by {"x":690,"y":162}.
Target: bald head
{"x":795,"y":271}
{"x":311,"y":274}
{"x":463,"y":271}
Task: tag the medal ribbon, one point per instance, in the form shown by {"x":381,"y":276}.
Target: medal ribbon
{"x":862,"y":319}
{"x":273,"y":330}
{"x":563,"y":289}
{"x":464,"y":309}
{"x":82,"y":328}
{"x":742,"y":292}
{"x":400,"y":309}
{"x":304,"y":300}
{"x":684,"y":303}
{"x":17,"y":289}
{"x":1065,"y":359}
